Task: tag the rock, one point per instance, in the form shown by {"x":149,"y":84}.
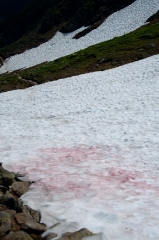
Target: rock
{"x":20,"y":218}
{"x":19,"y":235}
{"x":5,"y":223}
{"x":49,"y":236}
{"x":19,"y":188}
{"x":6,"y":178}
{"x":11,"y":203}
{"x":35,"y":215}
{"x":14,"y":226}
{"x":77,"y":235}
{"x":34,"y":227}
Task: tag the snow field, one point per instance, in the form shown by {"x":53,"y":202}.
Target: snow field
{"x":119,"y":23}
{"x":91,"y":143}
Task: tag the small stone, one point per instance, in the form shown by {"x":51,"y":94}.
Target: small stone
{"x":4,"y":223}
{"x":78,"y":235}
{"x":50,"y":236}
{"x":20,"y":235}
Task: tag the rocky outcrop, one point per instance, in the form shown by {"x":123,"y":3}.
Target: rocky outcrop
{"x":20,"y":222}
{"x":17,"y":221}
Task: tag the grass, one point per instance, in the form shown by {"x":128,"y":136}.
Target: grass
{"x":12,"y":82}
{"x":139,"y":44}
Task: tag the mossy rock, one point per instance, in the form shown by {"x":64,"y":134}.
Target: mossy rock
{"x":6,"y":178}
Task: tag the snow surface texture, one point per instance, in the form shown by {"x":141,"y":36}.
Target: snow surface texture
{"x":119,"y":23}
{"x":91,"y":143}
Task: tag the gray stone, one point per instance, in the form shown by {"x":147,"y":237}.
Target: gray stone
{"x":19,"y":188}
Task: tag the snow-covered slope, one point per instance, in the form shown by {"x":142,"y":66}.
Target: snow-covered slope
{"x":119,"y":23}
{"x":92,"y":142}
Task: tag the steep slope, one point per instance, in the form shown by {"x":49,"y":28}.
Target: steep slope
{"x":41,"y":19}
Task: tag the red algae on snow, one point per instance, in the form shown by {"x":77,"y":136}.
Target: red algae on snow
{"x":84,"y":171}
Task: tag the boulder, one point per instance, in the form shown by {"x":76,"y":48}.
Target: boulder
{"x":19,"y":188}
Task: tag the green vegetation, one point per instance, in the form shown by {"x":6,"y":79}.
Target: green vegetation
{"x":12,"y":82}
{"x":139,"y":44}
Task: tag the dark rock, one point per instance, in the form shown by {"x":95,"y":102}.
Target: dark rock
{"x":20,"y":235}
{"x":3,"y":189}
{"x":5,"y":223}
{"x":19,"y":188}
{"x":11,"y":203}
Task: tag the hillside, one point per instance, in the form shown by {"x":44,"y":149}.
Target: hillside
{"x":139,"y":44}
{"x":40,"y":20}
